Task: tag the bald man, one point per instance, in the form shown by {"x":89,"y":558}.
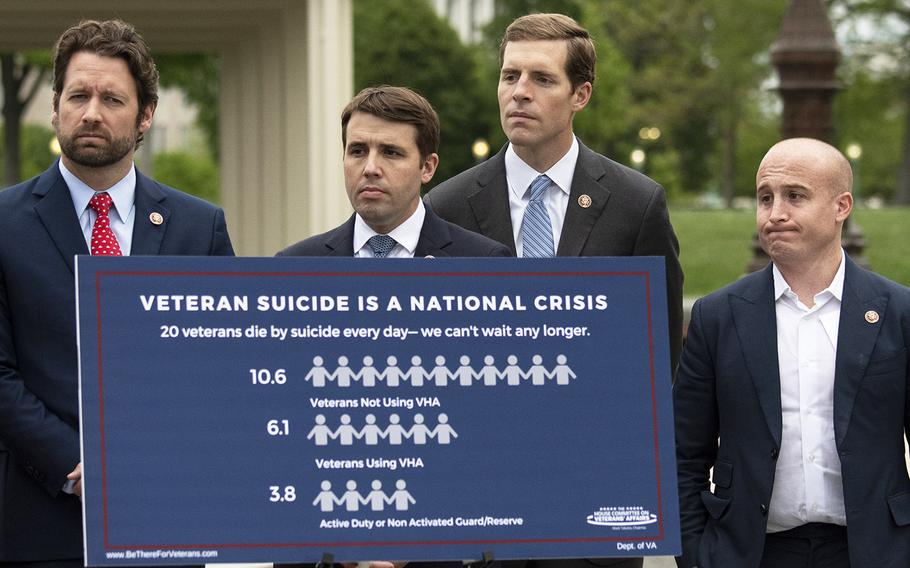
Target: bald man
{"x":793,"y":387}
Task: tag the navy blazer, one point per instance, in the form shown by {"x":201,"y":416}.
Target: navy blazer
{"x":437,"y":238}
{"x":39,"y":410}
{"x":626,"y":215}
{"x":728,"y":386}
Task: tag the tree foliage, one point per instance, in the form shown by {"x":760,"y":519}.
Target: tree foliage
{"x":35,"y":155}
{"x":198,"y":77}
{"x":874,"y":108}
{"x":693,"y":70}
{"x":192,"y":173}
{"x":22,"y":75}
{"x":401,"y":42}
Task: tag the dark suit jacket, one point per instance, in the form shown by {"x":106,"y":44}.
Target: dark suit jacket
{"x":728,"y":385}
{"x":39,"y":412}
{"x":437,"y":238}
{"x":627,"y":217}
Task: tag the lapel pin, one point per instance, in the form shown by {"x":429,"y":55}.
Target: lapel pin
{"x":872,"y":316}
{"x":156,"y":218}
{"x":584,"y":200}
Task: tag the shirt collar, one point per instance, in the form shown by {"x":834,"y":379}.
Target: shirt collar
{"x":834,"y":290}
{"x":123,"y":193}
{"x":406,"y":234}
{"x":520,"y":175}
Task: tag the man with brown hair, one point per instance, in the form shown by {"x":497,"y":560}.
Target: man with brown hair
{"x":545,"y":193}
{"x":93,"y":200}
{"x":390,"y":137}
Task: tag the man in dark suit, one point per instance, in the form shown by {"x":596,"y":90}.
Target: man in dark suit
{"x":92,"y":199}
{"x":582,"y":203}
{"x":801,"y":372}
{"x":545,"y":193}
{"x":390,"y":137}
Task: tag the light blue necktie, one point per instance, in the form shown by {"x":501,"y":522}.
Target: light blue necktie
{"x":536,"y":231}
{"x":382,"y":245}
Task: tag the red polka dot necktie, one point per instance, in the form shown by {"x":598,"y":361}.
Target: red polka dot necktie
{"x":104,"y":243}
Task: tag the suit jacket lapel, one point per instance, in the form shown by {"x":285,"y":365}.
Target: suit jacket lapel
{"x":587,"y":180}
{"x":434,"y":237}
{"x":855,"y":342}
{"x":490,"y":201}
{"x":58,"y":215}
{"x":147,"y":236}
{"x":340,"y":241}
{"x":755,"y":320}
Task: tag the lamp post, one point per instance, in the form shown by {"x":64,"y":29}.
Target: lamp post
{"x":806,"y":56}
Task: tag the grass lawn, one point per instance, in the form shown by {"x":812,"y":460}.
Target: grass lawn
{"x":715,"y":246}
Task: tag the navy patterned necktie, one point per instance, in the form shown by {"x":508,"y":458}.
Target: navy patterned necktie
{"x":382,"y":245}
{"x":536,"y":231}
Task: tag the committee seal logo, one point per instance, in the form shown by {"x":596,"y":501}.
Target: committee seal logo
{"x":622,"y":517}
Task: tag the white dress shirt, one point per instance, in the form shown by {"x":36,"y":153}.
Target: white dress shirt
{"x":122,"y":213}
{"x":406,"y":235}
{"x":520,"y":175}
{"x":808,"y":487}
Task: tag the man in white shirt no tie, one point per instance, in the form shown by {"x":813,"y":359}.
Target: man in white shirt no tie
{"x":801,"y":372}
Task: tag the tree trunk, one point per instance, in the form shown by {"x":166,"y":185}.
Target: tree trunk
{"x":902,"y":191}
{"x":12,"y":116}
{"x":728,"y":180}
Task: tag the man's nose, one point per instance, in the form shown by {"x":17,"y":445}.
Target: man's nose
{"x":371,"y":165}
{"x":522,"y":90}
{"x":92,"y":111}
{"x":779,"y":211}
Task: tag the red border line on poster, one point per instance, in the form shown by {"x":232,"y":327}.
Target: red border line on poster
{"x":107,"y":544}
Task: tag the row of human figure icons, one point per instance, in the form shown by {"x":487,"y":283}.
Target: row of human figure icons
{"x":440,"y":375}
{"x":376,"y":499}
{"x":395,"y":434}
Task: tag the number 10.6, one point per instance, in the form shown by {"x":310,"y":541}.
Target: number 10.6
{"x":267,"y":377}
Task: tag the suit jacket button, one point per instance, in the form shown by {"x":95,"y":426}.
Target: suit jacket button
{"x":764,"y":510}
{"x":774,"y":454}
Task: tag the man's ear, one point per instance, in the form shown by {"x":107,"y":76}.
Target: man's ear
{"x":581,"y":96}
{"x":429,"y":168}
{"x":844,"y":203}
{"x":145,"y":118}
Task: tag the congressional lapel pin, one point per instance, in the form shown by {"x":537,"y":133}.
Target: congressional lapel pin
{"x":156,"y":218}
{"x":584,"y":200}
{"x":872,"y":316}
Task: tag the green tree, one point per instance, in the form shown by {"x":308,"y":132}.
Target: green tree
{"x":191,"y":173}
{"x":738,"y":42}
{"x":402,"y":42}
{"x":36,"y":155}
{"x":198,"y":76}
{"x":22,"y":75}
{"x":874,"y":110}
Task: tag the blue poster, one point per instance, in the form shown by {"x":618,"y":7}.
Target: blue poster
{"x":285,"y":409}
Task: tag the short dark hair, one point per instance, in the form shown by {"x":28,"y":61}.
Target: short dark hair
{"x":397,"y":104}
{"x":581,"y":57}
{"x":110,"y":38}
